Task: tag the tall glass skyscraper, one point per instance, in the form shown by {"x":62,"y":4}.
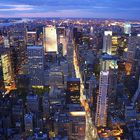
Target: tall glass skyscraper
{"x":101,"y":109}
{"x":107,"y":42}
{"x":36,"y":65}
{"x":50,"y":39}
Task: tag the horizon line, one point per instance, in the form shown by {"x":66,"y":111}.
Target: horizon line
{"x":76,"y":18}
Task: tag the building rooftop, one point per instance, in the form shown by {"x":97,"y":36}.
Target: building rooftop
{"x":35,"y":47}
{"x":108,"y":57}
{"x":73,"y":79}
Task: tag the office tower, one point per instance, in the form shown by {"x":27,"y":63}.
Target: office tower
{"x":70,"y":56}
{"x":127,"y":28}
{"x":50,"y":39}
{"x":132,"y":59}
{"x":130,"y":113}
{"x":101,"y":109}
{"x":73,"y":91}
{"x":6,"y":71}
{"x":112,"y":88}
{"x":91,"y":30}
{"x":61,"y":31}
{"x":64,"y":42}
{"x":31,"y":38}
{"x":1,"y":41}
{"x":6,"y":42}
{"x":36,"y":65}
{"x":33,"y":103}
{"x":28,"y":122}
{"x":77,"y":35}
{"x":77,"y":122}
{"x":135,"y":28}
{"x":114,"y":45}
{"x":137,"y":93}
{"x":107,"y":42}
{"x":56,"y":77}
{"x":18,"y":45}
{"x":108,"y":62}
{"x":61,"y":124}
{"x":60,"y":50}
{"x":46,"y":105}
{"x":62,"y":38}
{"x":40,"y":39}
{"x":64,"y":67}
{"x":18,"y":114}
{"x":90,"y":87}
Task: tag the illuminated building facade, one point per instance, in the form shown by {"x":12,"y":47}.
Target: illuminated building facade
{"x":114,"y":45}
{"x":36,"y":65}
{"x":107,"y":42}
{"x":91,"y":30}
{"x":6,"y":68}
{"x":73,"y":91}
{"x":133,"y":54}
{"x":31,"y":38}
{"x":108,"y":62}
{"x":127,"y":28}
{"x":6,"y":42}
{"x":101,"y":109}
{"x":50,"y":39}
{"x":77,"y":122}
{"x":56,"y":78}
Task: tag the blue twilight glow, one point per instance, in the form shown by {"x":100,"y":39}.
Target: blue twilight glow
{"x":129,"y":9}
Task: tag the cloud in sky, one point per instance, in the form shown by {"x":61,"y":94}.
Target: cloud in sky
{"x":71,"y":8}
{"x":12,"y":7}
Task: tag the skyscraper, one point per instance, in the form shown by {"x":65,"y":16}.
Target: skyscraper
{"x":6,"y":68}
{"x":107,"y":42}
{"x":101,"y":109}
{"x":73,"y":91}
{"x":127,"y":28}
{"x":17,"y":41}
{"x":31,"y":37}
{"x":114,"y":45}
{"x":28,"y":122}
{"x":108,"y":62}
{"x":36,"y":65}
{"x":62,"y":38}
{"x":137,"y":93}
{"x":132,"y":58}
{"x":91,"y":30}
{"x":33,"y":103}
{"x":70,"y":55}
{"x":50,"y":39}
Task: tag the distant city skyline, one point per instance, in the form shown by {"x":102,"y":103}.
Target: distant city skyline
{"x":126,"y":9}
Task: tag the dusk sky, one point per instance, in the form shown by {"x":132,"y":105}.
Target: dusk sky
{"x":128,"y":9}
